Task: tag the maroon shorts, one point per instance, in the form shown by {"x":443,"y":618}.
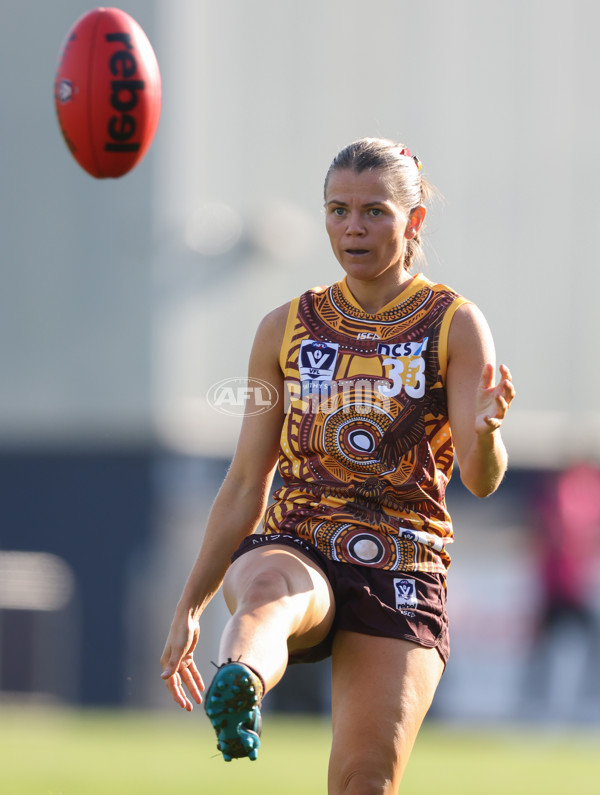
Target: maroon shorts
{"x":371,"y":601}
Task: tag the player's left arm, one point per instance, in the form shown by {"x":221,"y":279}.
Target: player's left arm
{"x":476,"y":404}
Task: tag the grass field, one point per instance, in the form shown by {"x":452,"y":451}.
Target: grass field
{"x":61,"y":752}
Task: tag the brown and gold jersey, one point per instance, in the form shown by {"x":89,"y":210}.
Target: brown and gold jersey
{"x":366,"y":448}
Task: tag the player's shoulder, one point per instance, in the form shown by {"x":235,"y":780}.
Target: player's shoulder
{"x":271,"y":329}
{"x":275,"y":319}
{"x":274,"y":322}
{"x":469,"y":329}
{"x":467,"y":321}
{"x":437,"y":287}
{"x":463,"y":311}
{"x":321,"y":288}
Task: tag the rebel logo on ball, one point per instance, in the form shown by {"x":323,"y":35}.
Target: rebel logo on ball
{"x":124,"y":96}
{"x":107,"y":92}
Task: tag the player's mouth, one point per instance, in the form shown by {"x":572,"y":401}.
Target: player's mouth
{"x":357,"y":252}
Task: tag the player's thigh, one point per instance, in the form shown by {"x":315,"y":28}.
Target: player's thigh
{"x":283,"y":574}
{"x":382,"y":689}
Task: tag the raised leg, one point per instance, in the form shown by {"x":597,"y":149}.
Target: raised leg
{"x":280,"y":602}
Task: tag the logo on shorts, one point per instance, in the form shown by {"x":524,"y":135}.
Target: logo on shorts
{"x":406,"y":594}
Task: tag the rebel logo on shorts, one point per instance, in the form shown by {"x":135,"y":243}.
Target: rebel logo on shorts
{"x":317,"y":360}
{"x":406,"y":594}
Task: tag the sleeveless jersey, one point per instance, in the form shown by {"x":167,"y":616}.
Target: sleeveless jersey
{"x":366,"y":448}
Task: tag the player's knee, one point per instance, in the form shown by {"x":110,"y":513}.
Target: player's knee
{"x":370,"y":772}
{"x":363,"y":781}
{"x":266,"y":587}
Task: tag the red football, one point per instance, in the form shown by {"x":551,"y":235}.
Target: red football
{"x":107,"y":92}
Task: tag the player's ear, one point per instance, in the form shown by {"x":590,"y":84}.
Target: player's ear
{"x":415,"y":221}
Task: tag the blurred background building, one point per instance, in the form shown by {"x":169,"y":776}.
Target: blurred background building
{"x":123,"y":301}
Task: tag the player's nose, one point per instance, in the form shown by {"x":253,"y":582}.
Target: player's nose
{"x":354,"y":225}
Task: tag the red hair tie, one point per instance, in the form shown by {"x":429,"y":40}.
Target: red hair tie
{"x":406,"y":151}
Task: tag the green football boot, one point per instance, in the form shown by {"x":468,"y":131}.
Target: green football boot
{"x":232,"y":704}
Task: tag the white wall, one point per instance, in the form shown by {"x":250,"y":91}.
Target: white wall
{"x":112,"y":326}
{"x":75,"y":276}
{"x":498,"y":101}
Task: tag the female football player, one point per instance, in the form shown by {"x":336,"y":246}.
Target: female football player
{"x":382,"y":379}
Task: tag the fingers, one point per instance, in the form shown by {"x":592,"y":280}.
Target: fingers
{"x":487,"y":376}
{"x":507,"y":384}
{"x":178,"y":666}
{"x":487,"y":379}
{"x":170,"y":662}
{"x":193,"y":681}
{"x":506,"y":391}
{"x":175,"y":688}
{"x":502,"y":405}
{"x":501,"y":395}
{"x":178,"y":672}
{"x":504,"y":387}
{"x":190,"y":677}
{"x":493,"y":422}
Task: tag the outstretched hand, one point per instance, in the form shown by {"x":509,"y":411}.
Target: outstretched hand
{"x":177,"y":661}
{"x":493,"y":400}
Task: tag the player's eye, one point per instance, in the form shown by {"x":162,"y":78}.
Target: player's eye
{"x":339,"y":211}
{"x":376,"y":211}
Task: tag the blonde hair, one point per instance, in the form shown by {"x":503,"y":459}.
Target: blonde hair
{"x":408,"y":186}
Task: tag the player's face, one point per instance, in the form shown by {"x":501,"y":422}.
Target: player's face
{"x":366,"y":226}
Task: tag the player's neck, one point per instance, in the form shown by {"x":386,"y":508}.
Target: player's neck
{"x":373,"y":296}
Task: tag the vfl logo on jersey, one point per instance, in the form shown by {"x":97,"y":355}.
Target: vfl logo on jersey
{"x":317,"y":360}
{"x":406,"y":594}
{"x":404,"y":367}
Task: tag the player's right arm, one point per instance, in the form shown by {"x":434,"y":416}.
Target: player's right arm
{"x":235,"y":514}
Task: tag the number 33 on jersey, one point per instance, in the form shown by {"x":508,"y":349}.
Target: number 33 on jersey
{"x":405,"y":367}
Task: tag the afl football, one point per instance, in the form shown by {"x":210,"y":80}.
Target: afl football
{"x":107,"y":92}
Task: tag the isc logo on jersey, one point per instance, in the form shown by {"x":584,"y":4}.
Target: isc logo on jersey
{"x":317,"y":360}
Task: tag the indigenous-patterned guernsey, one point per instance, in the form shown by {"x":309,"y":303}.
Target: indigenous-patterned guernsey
{"x":366,"y":448}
